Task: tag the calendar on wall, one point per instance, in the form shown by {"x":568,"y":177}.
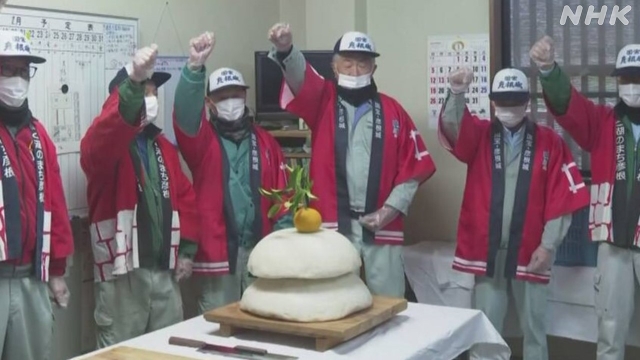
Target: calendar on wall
{"x":449,"y":52}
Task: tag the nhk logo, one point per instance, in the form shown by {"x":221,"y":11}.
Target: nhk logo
{"x":575,"y":16}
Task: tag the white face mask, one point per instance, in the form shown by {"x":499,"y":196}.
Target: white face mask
{"x":151,"y":103}
{"x":354,"y":82}
{"x":512,"y":115}
{"x":13,"y":91}
{"x":230,"y":109}
{"x":630,"y":94}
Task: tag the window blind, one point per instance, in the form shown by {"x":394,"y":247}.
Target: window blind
{"x":586,"y":52}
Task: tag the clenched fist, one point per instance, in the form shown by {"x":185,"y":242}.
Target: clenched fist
{"x":143,"y":63}
{"x":541,"y":260}
{"x":542,"y":53}
{"x":280,"y":36}
{"x":200,"y":48}
{"x":184,"y":268}
{"x":58,"y":287}
{"x":460,"y":79}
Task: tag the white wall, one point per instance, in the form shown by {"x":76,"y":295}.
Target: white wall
{"x":318,"y":24}
{"x":327,"y":20}
{"x":294,"y":12}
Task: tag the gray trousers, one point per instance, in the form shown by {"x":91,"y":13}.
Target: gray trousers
{"x":383,"y":265}
{"x":26,"y":316}
{"x":492,"y":297}
{"x":217,"y":291}
{"x":615,"y":284}
{"x":134,"y":304}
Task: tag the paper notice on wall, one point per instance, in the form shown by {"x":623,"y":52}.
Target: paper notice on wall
{"x":449,"y":52}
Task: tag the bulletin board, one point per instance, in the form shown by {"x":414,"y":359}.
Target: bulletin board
{"x":83,"y":54}
{"x":450,"y":52}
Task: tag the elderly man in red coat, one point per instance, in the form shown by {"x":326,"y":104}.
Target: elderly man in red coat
{"x":144,"y":223}
{"x":367,"y":157}
{"x":35,"y":233}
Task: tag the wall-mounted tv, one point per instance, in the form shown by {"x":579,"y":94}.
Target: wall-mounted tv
{"x":269,"y":80}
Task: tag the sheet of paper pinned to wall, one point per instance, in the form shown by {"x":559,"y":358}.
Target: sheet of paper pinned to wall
{"x":83,"y":53}
{"x":167,"y":92}
{"x":449,"y":52}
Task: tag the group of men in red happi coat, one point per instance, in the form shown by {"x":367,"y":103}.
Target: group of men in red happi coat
{"x":152,"y":227}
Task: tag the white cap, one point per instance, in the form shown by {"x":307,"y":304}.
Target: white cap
{"x":510,"y":84}
{"x":15,"y":44}
{"x":224,"y":77}
{"x":355,"y":41}
{"x":628,"y":61}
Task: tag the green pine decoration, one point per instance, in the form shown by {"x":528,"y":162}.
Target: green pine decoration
{"x":295,"y":196}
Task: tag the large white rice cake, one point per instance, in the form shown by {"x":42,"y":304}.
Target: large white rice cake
{"x":288,"y":254}
{"x":306,"y":300}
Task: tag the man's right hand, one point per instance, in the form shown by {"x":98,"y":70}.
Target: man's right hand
{"x":280,"y":36}
{"x":143,"y":63}
{"x":542,"y":53}
{"x":200,"y":48}
{"x":460,"y":79}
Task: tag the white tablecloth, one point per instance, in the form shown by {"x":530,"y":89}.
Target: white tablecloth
{"x":420,"y":332}
{"x":571,"y":313}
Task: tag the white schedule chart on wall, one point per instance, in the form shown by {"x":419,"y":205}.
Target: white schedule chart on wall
{"x":449,"y":52}
{"x":83,"y":53}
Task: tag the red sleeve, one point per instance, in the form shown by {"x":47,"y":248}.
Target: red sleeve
{"x":61,"y":235}
{"x":414,"y":160}
{"x":582,"y":120}
{"x":107,"y":139}
{"x":469,"y":136}
{"x":566,"y":190}
{"x":193,"y":148}
{"x":57,"y":267}
{"x":305,"y":104}
{"x":187,"y":207}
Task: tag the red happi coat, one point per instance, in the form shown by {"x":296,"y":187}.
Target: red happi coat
{"x":217,"y":252}
{"x":555,"y":189}
{"x":45,"y":246}
{"x":401,"y":155}
{"x":593,"y":127}
{"x":112,"y":192}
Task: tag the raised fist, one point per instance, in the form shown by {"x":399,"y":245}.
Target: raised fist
{"x":200,"y":48}
{"x":542,"y":53}
{"x":460,"y":79}
{"x":143,"y":63}
{"x":280,"y":36}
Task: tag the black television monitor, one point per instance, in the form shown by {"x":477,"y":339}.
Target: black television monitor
{"x":269,"y":81}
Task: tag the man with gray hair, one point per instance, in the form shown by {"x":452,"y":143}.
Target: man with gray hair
{"x":367,"y":157}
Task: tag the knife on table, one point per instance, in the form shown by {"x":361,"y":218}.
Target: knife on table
{"x":238,"y":352}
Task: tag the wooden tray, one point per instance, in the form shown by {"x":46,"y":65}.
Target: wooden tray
{"x":327,"y":334}
{"x":128,"y":353}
